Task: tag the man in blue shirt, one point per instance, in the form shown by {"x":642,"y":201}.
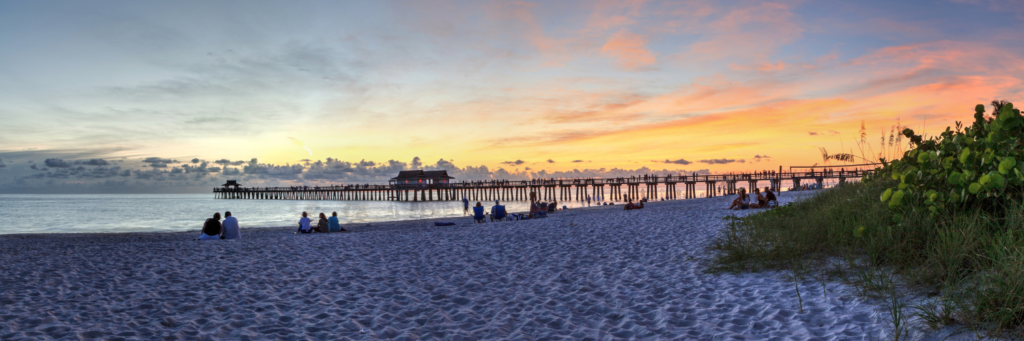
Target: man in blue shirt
{"x":332,"y":223}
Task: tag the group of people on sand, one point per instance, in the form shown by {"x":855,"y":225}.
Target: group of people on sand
{"x":324,"y":225}
{"x":498,"y":212}
{"x":213,"y":228}
{"x":757,"y":199}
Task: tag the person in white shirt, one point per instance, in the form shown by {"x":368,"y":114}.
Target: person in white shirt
{"x":304,"y":224}
{"x":229,"y":228}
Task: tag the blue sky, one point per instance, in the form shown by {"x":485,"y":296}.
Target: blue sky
{"x":620,"y":85}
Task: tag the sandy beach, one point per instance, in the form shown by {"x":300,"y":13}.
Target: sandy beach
{"x":595,"y":273}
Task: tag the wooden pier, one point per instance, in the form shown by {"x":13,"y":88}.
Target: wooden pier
{"x":542,"y":189}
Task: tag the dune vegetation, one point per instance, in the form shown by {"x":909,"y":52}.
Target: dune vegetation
{"x":946,"y":219}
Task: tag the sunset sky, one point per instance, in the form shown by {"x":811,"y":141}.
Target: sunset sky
{"x":121,"y":94}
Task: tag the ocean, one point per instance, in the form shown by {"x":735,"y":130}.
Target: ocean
{"x":72,"y":213}
{"x":87,"y":213}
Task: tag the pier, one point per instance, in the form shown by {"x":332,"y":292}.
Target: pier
{"x":437,"y":186}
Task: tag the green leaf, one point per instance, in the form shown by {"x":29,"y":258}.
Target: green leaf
{"x":859,"y":231}
{"x":974,"y":188}
{"x":965,"y":155}
{"x":896,"y":199}
{"x":886,"y":195}
{"x":923,"y":157}
{"x":955,"y":179}
{"x":996,"y":180}
{"x":1007,"y":165}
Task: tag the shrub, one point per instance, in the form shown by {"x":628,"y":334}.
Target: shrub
{"x":958,"y":169}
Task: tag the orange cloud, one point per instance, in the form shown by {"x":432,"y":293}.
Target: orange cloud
{"x":751,"y":32}
{"x":629,"y":50}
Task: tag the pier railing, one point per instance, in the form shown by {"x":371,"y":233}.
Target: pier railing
{"x":544,"y":189}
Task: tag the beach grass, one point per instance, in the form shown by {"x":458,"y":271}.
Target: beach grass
{"x":970,"y":261}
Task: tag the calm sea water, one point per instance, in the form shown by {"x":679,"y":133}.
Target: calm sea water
{"x":52,"y":213}
{"x":56,"y":213}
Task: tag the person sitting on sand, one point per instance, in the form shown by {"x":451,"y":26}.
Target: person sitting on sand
{"x":322,"y":224}
{"x":741,"y":200}
{"x":229,"y":228}
{"x":478,"y":212}
{"x":304,"y":224}
{"x":211,"y":228}
{"x":629,"y":205}
{"x":333,"y":224}
{"x":498,"y":212}
{"x":534,"y":209}
{"x":755,"y":198}
{"x":553,"y":206}
{"x":769,"y":199}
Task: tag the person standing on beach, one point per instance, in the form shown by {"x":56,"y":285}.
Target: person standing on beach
{"x":465,"y":205}
{"x":304,"y":224}
{"x":229,"y":228}
{"x":211,"y":228}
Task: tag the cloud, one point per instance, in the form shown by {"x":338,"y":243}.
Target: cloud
{"x":516,"y":162}
{"x":812,"y":133}
{"x":92,"y":162}
{"x":227,"y":162}
{"x":195,"y":160}
{"x":160,"y":177}
{"x":551,"y":161}
{"x":721,"y":161}
{"x":56,"y":163}
{"x":678,"y":162}
{"x":577,"y":161}
{"x":629,"y":51}
{"x":158,"y":160}
{"x":758,"y":158}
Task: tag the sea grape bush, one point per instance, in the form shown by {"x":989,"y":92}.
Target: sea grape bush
{"x":958,"y":168}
